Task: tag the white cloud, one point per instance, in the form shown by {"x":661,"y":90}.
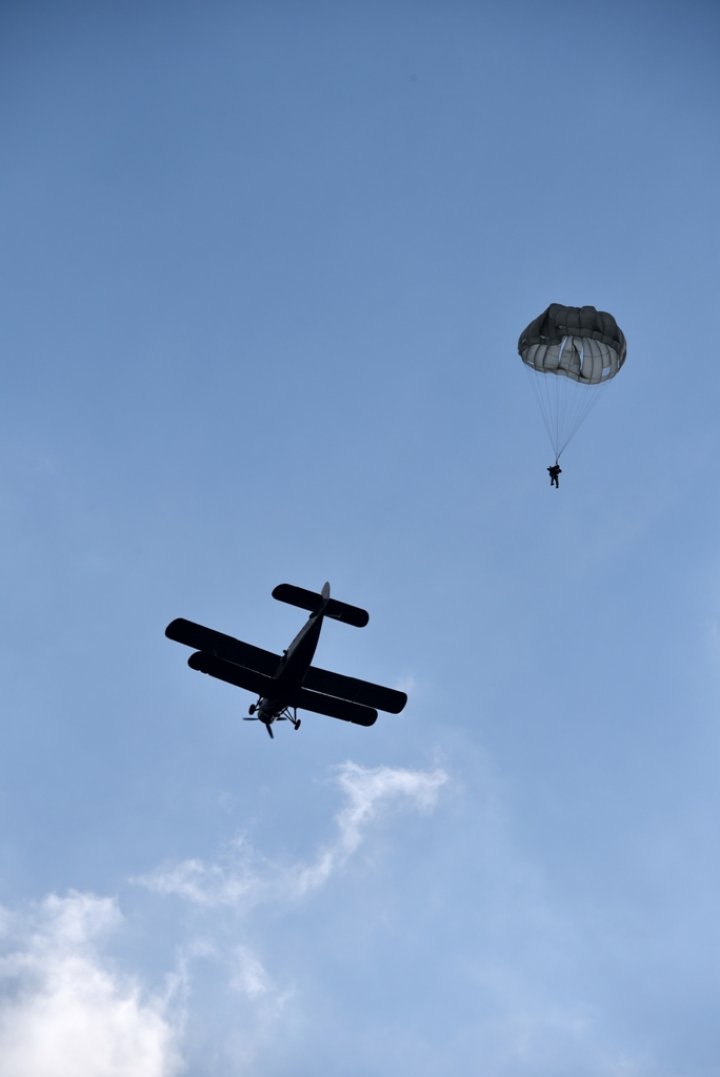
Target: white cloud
{"x":65,"y":1013}
{"x":230,"y":881}
{"x":249,"y":977}
{"x":240,"y":879}
{"x":369,"y":793}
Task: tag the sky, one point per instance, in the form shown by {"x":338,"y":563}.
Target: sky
{"x":264,"y":270}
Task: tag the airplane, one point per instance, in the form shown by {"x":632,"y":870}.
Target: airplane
{"x":287,"y":683}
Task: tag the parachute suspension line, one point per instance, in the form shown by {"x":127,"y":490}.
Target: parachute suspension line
{"x":587,"y":397}
{"x":543,"y":397}
{"x":557,"y":399}
{"x":571,"y":401}
{"x":564,"y":403}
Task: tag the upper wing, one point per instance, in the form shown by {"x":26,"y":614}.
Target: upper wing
{"x":216,"y":643}
{"x":353,"y":690}
{"x":248,"y":679}
{"x":333,"y":708}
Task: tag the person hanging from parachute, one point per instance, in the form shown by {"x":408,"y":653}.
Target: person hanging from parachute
{"x":555,"y":473}
{"x":571,"y":353}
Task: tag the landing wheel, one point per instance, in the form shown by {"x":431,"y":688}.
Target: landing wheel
{"x":296,"y":723}
{"x":252,"y":708}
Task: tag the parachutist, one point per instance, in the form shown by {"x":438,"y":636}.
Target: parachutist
{"x":555,"y":472}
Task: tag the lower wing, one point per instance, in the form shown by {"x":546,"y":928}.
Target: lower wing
{"x":354,"y":690}
{"x":217,"y":643}
{"x":261,"y":685}
{"x":343,"y":709}
{"x":248,"y":679}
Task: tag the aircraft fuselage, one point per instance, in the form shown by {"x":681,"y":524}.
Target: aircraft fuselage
{"x":292,"y":668}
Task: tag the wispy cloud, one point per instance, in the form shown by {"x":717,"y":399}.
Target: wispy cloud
{"x":66,"y":1011}
{"x":369,"y":793}
{"x":526,"y":1006}
{"x":241,"y":879}
{"x":238,"y":878}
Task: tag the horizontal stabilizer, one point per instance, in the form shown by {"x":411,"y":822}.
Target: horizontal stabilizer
{"x":314,"y":601}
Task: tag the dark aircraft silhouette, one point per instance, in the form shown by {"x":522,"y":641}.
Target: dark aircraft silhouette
{"x":288,"y":682}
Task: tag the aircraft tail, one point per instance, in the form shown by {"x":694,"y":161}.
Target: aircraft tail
{"x":321,"y":603}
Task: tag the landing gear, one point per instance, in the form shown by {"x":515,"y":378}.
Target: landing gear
{"x":267,"y":715}
{"x":289,"y":714}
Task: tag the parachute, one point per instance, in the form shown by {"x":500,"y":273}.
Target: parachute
{"x":571,"y":353}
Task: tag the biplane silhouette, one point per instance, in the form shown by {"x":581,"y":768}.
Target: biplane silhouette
{"x":289,"y":682}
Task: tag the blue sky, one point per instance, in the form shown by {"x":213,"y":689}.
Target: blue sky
{"x":264,"y":268}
